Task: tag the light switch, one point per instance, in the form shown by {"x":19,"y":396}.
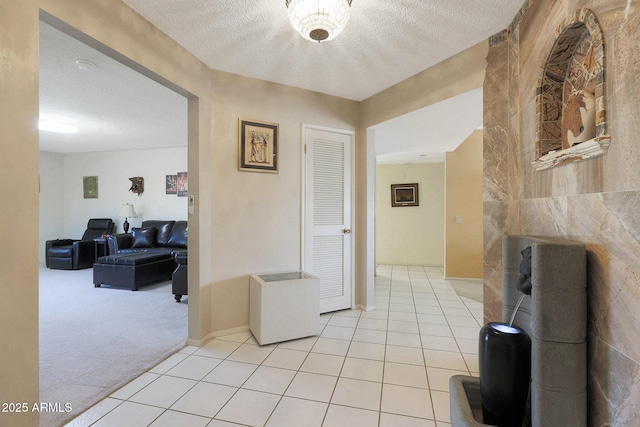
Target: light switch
{"x":458,"y":219}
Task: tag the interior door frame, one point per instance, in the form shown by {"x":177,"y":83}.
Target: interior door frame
{"x":303,"y":198}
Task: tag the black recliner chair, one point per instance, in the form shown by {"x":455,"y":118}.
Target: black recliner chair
{"x":71,"y":254}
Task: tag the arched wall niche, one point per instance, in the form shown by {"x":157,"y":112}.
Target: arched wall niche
{"x":570,"y":98}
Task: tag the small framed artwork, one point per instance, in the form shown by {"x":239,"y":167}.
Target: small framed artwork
{"x":404,"y":195}
{"x":258,"y":146}
{"x":182,"y":184}
{"x":90,"y":187}
{"x":171,"y":184}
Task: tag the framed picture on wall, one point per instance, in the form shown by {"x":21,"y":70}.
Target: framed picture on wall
{"x":90,"y":187}
{"x":258,"y":146}
{"x":404,"y":195}
{"x":171,"y":184}
{"x":182,"y":184}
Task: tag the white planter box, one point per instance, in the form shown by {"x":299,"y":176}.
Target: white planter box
{"x":284,"y":306}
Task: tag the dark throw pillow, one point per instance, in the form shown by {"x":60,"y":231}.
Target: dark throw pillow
{"x":179,"y":235}
{"x":143,"y":237}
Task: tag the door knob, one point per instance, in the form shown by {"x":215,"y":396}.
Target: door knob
{"x":347,"y":231}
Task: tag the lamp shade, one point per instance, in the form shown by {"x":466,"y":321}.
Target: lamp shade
{"x":318,"y":20}
{"x":128,"y":211}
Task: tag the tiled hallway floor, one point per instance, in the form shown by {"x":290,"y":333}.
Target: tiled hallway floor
{"x":389,"y":367}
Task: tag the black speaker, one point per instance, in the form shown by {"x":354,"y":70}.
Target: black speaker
{"x":505,"y":373}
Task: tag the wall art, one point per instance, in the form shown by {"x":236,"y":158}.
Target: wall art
{"x":90,"y":187}
{"x":258,"y":146}
{"x":137,"y":185}
{"x":182,"y":184}
{"x":404,"y":195}
{"x":171,"y":184}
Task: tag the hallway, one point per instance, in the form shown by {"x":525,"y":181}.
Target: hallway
{"x":388,"y":367}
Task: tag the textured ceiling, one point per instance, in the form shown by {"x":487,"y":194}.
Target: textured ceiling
{"x":115,"y":107}
{"x":384,"y":43}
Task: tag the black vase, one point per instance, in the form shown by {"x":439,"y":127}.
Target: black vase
{"x":505,"y":373}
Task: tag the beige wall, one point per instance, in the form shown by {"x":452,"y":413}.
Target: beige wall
{"x":412,"y":235}
{"x":256,"y":225}
{"x":459,"y":74}
{"x":19,"y":212}
{"x":463,"y":241}
{"x":594,"y":201}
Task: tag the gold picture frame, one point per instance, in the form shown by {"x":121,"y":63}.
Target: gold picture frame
{"x":258,"y":146}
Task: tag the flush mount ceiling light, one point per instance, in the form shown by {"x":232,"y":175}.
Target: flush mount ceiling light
{"x":56,"y":123}
{"x":318,"y":20}
{"x":85,"y":65}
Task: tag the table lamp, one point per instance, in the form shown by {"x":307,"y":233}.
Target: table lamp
{"x":127,"y":211}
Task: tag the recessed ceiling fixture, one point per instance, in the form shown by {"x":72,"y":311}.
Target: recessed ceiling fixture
{"x":56,"y":123}
{"x":85,"y":65}
{"x":318,"y":20}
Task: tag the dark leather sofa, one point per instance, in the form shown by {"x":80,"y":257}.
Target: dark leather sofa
{"x":152,"y":236}
{"x":74,"y":254}
{"x":133,"y":259}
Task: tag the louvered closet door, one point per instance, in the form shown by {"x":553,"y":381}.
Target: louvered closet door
{"x":328,"y":215}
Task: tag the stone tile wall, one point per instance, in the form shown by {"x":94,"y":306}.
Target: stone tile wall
{"x":594,"y":201}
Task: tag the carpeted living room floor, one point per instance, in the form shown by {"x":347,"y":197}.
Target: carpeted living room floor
{"x":95,"y":340}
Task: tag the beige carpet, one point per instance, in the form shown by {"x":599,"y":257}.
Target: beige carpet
{"x":95,"y":340}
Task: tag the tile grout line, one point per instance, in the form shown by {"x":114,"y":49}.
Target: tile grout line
{"x":404,"y":272}
{"x":433,"y":407}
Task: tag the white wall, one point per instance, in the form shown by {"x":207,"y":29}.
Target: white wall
{"x":64,"y":211}
{"x":410,"y":235}
{"x":51,"y":198}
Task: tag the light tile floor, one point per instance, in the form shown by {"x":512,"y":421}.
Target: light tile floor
{"x":388,"y":368}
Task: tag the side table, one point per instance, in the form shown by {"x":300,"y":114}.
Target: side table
{"x":100,"y":247}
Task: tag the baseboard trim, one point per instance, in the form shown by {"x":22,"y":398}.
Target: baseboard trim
{"x":466,"y":279}
{"x":365,"y":308}
{"x":212,"y":335}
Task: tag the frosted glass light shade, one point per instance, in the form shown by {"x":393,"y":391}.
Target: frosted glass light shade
{"x":56,"y":123}
{"x":318,"y":20}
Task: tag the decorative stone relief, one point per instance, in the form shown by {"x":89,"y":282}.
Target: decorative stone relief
{"x":570,"y":96}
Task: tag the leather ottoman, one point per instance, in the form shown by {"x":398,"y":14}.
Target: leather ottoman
{"x":132,"y":270}
{"x":179,"y":279}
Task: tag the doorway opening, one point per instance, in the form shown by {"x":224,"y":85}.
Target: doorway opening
{"x":438,"y":147}
{"x":94,"y":340}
